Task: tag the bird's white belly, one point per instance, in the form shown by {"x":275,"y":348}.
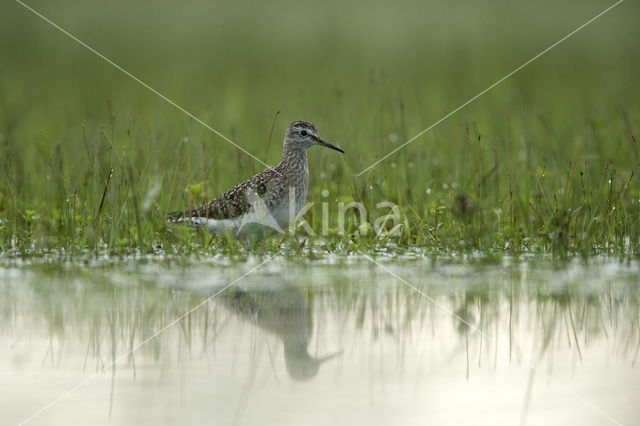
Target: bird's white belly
{"x":281,"y":216}
{"x":278,"y":219}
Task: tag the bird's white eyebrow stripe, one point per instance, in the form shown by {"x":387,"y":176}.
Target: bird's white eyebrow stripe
{"x":142,"y":83}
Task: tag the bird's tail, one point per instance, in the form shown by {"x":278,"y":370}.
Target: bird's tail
{"x":191,"y":218}
{"x":174,"y":217}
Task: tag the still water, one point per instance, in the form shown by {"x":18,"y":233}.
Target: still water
{"x":320,"y":343}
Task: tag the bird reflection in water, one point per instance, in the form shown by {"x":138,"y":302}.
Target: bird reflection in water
{"x":284,"y":312}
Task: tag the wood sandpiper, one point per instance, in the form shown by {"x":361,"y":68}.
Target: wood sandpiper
{"x":271,"y":200}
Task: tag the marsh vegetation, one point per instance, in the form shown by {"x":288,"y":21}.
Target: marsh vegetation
{"x":547,"y":162}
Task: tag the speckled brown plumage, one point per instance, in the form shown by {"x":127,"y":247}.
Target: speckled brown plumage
{"x":270,"y":185}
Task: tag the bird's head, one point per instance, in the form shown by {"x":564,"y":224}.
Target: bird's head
{"x":302,"y":135}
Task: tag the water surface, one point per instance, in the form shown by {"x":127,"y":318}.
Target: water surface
{"x":320,"y":343}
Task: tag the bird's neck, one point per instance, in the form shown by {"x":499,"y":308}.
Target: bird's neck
{"x":295,"y":171}
{"x":294,"y":157}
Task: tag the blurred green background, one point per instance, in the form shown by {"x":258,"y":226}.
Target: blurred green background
{"x":369,"y":74}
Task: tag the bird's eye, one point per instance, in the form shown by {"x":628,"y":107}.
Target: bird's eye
{"x":303,"y":133}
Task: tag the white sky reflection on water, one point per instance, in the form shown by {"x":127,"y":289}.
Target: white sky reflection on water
{"x":254,"y":355}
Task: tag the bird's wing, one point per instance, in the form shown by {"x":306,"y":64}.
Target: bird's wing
{"x":234,"y":202}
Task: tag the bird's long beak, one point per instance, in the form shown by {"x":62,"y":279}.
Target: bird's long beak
{"x":327,"y":144}
{"x":328,"y":357}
